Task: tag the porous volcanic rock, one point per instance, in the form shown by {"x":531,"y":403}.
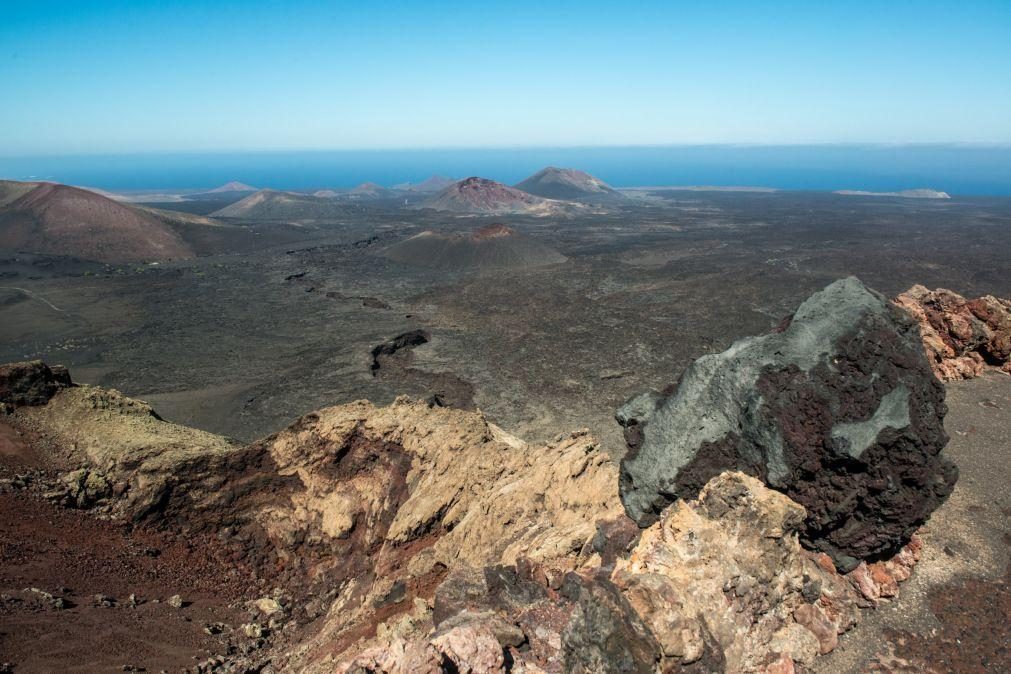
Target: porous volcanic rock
{"x":838,"y":409}
{"x":31,"y":382}
{"x":961,"y":337}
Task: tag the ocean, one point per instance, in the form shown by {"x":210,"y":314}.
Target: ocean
{"x":957,"y":169}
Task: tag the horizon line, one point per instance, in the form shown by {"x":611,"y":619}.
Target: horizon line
{"x":990,"y":145}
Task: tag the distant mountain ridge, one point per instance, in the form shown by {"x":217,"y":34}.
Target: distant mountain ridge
{"x":920,"y":193}
{"x":370,"y":190}
{"x":233,"y":186}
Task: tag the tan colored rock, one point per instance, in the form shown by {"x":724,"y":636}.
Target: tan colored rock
{"x":961,"y":337}
{"x":814,"y":619}
{"x":472,"y":648}
{"x":734,"y":559}
{"x":448,"y":489}
{"x":360,"y":512}
{"x":730,"y":564}
{"x":125,"y":441}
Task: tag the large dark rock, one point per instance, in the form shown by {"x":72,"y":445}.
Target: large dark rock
{"x":31,"y":383}
{"x":838,"y":409}
{"x":605,"y":635}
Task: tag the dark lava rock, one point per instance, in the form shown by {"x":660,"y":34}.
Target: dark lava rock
{"x":31,"y":383}
{"x":493,"y":588}
{"x":407,"y":340}
{"x":605,"y":634}
{"x":838,"y":409}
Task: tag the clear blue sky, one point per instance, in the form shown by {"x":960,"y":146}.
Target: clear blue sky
{"x":85,"y":77}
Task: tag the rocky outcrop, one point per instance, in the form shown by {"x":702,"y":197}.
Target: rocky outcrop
{"x":718,"y":584}
{"x":354,"y":510}
{"x":838,"y":409}
{"x":399,"y":496}
{"x":417,"y":538}
{"x":31,"y":383}
{"x":961,"y":337}
{"x":405,"y":341}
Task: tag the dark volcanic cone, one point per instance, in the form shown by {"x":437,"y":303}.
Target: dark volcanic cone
{"x":492,"y":247}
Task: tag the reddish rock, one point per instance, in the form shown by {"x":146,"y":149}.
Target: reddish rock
{"x":887,"y":584}
{"x":825,"y":563}
{"x":961,"y":337}
{"x":783,"y":664}
{"x":812,"y":617}
{"x":864,"y":583}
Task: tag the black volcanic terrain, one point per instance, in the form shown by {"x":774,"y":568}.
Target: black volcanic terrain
{"x":273,"y":319}
{"x":487,"y":248}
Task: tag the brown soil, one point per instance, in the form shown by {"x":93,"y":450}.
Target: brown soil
{"x":75,"y":556}
{"x":14,"y":451}
{"x":975,"y":635}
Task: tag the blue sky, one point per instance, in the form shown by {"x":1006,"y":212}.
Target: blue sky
{"x":118,"y":77}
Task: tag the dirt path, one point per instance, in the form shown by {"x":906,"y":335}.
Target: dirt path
{"x":34,"y":296}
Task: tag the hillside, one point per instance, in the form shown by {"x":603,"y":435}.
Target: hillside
{"x":233,"y":186}
{"x":483,"y":196}
{"x":491,"y":247}
{"x":287,"y":206}
{"x":564,"y":183}
{"x":229,"y":192}
{"x":58,"y":219}
{"x":369,"y":190}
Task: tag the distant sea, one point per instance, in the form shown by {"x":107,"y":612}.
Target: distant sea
{"x":956,"y":169}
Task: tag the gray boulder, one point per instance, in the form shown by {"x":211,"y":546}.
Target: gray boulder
{"x":837,"y":408}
